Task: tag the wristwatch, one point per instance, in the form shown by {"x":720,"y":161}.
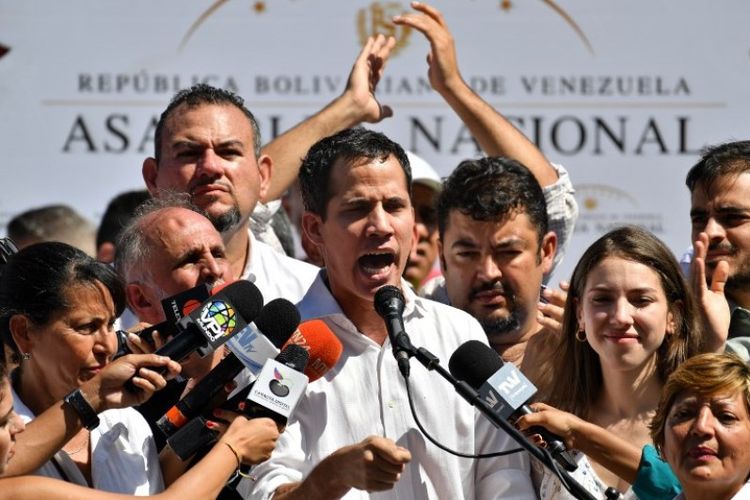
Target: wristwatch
{"x":86,"y":413}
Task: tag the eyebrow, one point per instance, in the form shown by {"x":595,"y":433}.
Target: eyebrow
{"x":642,"y":289}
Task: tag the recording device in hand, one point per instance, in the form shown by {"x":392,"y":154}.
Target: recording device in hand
{"x":504,"y":388}
{"x":274,"y":394}
{"x":215,"y":321}
{"x":275,"y":324}
{"x":175,"y":308}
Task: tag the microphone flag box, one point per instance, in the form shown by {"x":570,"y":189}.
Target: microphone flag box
{"x":278,"y":388}
{"x":217,"y":320}
{"x":174,"y":306}
{"x":252,"y":348}
{"x":506,"y":390}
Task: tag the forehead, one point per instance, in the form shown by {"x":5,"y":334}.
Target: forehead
{"x":615,"y":270}
{"x":88,"y":298}
{"x":214,"y":121}
{"x":516,"y":225}
{"x":173,"y":231}
{"x":727,"y":189}
{"x":722,"y":397}
{"x":368,"y":178}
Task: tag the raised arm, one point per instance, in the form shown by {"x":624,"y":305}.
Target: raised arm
{"x":47,"y":433}
{"x":496,"y":135}
{"x":614,"y":453}
{"x":246,"y":441}
{"x":356,"y":105}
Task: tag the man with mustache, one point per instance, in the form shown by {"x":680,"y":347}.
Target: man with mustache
{"x":501,"y":220}
{"x":207,"y":144}
{"x":720,"y":216}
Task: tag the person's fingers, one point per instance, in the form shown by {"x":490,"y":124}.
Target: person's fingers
{"x":720,"y":277}
{"x":555,"y":297}
{"x":225,"y":415}
{"x":549,"y":323}
{"x":156,"y":379}
{"x":429,"y":11}
{"x":564,"y":286}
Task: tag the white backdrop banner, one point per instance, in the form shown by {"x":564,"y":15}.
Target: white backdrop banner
{"x":624,"y":94}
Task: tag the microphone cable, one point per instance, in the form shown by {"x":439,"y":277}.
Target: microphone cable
{"x":442,"y":446}
{"x":551,"y":462}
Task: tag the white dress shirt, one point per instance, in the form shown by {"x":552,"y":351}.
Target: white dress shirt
{"x":123,"y":458}
{"x":364,"y":395}
{"x":276,"y":274}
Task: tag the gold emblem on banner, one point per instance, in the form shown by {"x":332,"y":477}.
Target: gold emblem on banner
{"x":376,"y":19}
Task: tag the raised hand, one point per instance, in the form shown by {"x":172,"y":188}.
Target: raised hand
{"x":443,"y":66}
{"x":107,"y":389}
{"x":364,"y":78}
{"x":711,"y":301}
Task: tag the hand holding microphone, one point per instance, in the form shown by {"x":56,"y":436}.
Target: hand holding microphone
{"x":504,"y":388}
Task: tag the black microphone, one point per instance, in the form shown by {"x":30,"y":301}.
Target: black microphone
{"x":389,"y":304}
{"x":215,"y":321}
{"x":175,"y":307}
{"x":280,"y":386}
{"x":276,"y":323}
{"x":504,"y":388}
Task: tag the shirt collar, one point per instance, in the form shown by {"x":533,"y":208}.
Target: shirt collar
{"x":319,"y":302}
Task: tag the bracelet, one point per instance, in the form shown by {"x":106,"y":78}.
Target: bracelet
{"x":238,"y":472}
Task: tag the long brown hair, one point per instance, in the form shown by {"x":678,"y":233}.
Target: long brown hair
{"x":574,"y":373}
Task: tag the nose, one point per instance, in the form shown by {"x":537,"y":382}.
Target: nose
{"x":209,"y":164}
{"x":715,"y":230}
{"x":487,"y":268}
{"x":623,"y":312}
{"x":703,"y":425}
{"x":211,"y":270}
{"x":105,"y":341}
{"x":17,"y":424}
{"x":378,"y":223}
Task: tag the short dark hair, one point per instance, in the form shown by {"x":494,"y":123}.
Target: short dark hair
{"x":199,"y":95}
{"x":35,"y":280}
{"x":118,"y":213}
{"x":491,"y":189}
{"x":349,"y":145}
{"x":731,"y":158}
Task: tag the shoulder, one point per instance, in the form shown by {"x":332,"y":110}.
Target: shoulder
{"x":450,"y":321}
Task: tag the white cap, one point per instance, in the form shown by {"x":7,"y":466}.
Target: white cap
{"x":423,"y":173}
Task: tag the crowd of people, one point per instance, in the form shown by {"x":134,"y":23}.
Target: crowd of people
{"x":641,"y":367}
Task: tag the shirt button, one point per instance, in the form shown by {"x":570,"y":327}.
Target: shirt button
{"x":391,"y":404}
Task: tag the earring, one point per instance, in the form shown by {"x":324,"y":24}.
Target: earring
{"x":25,"y":356}
{"x":581,"y":335}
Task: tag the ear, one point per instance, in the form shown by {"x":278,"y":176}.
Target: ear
{"x":414,"y":232}
{"x":312,"y":225}
{"x":20,"y":330}
{"x":106,"y":253}
{"x":671,"y":324}
{"x":265,"y":169}
{"x":150,"y":171}
{"x":443,"y":265}
{"x":547,"y":251}
{"x":579,"y":314}
{"x":143,"y":303}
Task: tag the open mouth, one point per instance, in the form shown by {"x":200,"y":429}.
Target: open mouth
{"x":376,"y":263}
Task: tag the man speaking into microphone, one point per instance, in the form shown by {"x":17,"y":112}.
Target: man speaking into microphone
{"x":353,"y":434}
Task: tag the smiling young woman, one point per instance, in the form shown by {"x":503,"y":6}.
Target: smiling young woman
{"x":629,"y":322}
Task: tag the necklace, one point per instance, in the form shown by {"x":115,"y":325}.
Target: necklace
{"x":85,"y":443}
